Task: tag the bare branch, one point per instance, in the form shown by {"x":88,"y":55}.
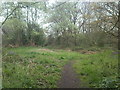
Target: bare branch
{"x":9,"y":15}
{"x":59,"y":5}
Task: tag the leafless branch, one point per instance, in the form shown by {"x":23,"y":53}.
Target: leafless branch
{"x":9,"y":15}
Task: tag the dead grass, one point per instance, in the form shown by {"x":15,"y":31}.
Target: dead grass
{"x":44,"y":50}
{"x":87,"y":52}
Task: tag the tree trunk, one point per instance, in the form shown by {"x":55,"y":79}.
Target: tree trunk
{"x":119,"y":26}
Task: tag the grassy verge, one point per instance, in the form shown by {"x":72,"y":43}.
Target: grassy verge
{"x":99,"y":70}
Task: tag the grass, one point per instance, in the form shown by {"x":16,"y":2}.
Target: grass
{"x":33,"y":67}
{"x":37,"y":67}
{"x":99,"y":70}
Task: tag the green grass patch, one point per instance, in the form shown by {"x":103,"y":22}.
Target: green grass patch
{"x":33,"y":67}
{"x":99,"y":70}
{"x":38,"y":67}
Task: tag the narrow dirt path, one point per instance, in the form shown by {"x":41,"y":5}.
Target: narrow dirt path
{"x":68,"y":77}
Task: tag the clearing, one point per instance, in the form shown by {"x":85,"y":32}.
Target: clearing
{"x":36,"y":67}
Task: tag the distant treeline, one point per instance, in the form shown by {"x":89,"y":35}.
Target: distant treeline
{"x":66,"y":24}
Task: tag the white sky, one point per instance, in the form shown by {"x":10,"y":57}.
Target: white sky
{"x":51,"y":1}
{"x":60,"y":0}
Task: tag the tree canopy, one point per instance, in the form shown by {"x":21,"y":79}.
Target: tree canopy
{"x":65,"y":24}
